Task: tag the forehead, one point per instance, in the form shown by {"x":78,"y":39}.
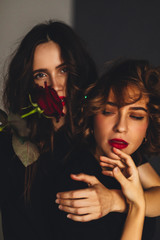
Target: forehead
{"x":130,"y":95}
{"x":47,"y":52}
{"x":43,"y":47}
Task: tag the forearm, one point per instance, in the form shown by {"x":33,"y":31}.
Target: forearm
{"x":134,"y":223}
{"x":152,"y":198}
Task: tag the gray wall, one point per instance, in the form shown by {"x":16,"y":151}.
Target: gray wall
{"x":18,"y":16}
{"x":16,"y":19}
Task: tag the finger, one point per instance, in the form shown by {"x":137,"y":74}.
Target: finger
{"x":107,"y":173}
{"x":79,"y":211}
{"x":91,"y":180}
{"x":107,"y":165}
{"x":82,"y":193}
{"x":113,"y":162}
{"x":107,"y":159}
{"x":73,"y":203}
{"x":119,"y":176}
{"x":126,"y":158}
{"x":75,"y":211}
{"x":82,"y":218}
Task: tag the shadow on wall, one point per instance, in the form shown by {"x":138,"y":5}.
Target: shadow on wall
{"x":1,"y":233}
{"x":114,"y":29}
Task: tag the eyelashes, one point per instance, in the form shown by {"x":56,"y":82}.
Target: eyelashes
{"x":134,"y":117}
{"x":64,"y":70}
{"x":39,"y":76}
{"x":105,"y":113}
{"x":59,"y":73}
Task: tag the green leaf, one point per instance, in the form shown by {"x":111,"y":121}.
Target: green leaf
{"x":26,"y":151}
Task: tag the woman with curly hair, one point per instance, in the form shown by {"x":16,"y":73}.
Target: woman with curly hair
{"x":121,"y":122}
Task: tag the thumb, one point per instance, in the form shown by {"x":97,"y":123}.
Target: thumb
{"x":119,"y":176}
{"x":90,"y":180}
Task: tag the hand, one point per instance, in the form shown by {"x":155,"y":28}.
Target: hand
{"x":132,"y":189}
{"x":131,"y":185}
{"x":86,"y":204}
{"x":109,"y":164}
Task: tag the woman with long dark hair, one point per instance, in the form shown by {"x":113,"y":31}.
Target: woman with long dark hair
{"x":44,"y":89}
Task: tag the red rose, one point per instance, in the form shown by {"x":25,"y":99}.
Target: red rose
{"x":48,"y":101}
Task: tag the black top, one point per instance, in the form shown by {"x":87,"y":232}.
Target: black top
{"x":40,"y":218}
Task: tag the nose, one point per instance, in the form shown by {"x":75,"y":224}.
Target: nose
{"x":57,"y":83}
{"x":121,"y":124}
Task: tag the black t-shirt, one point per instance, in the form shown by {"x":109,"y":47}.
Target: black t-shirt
{"x":40,"y":218}
{"x":21,"y":219}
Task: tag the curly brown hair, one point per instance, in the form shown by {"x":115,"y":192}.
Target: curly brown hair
{"x":120,"y":75}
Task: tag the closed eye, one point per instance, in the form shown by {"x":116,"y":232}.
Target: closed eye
{"x":137,"y":117}
{"x":106,"y":113}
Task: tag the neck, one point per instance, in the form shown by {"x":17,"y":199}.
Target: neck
{"x":58,"y":124}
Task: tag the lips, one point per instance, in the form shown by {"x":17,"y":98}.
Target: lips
{"x":118,"y":143}
{"x":63,"y":100}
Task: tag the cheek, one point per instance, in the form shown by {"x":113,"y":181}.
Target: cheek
{"x":138,"y":136}
{"x":65,"y":79}
{"x":97,"y":127}
{"x":142,"y":129}
{"x":100,"y":128}
{"x":41,"y":82}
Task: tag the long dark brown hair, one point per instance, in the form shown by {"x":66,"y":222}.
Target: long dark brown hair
{"x":118,"y":76}
{"x":19,"y":80}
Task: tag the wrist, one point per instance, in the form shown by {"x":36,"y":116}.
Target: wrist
{"x":118,"y":201}
{"x":136,"y":211}
{"x":137,"y":206}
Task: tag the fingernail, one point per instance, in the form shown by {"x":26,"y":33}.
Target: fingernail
{"x":116,"y":169}
{"x":68,"y":216}
{"x":75,"y":174}
{"x":57,"y":201}
{"x":60,"y":207}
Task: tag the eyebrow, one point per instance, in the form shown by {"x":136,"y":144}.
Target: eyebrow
{"x":61,"y":65}
{"x":112,"y":104}
{"x":40,"y":70}
{"x":139,"y":108}
{"x":46,"y":70}
{"x":131,"y":108}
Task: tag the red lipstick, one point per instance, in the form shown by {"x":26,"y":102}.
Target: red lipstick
{"x":118,"y":143}
{"x":63,"y":100}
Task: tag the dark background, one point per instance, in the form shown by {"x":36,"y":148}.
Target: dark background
{"x":121,"y":28}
